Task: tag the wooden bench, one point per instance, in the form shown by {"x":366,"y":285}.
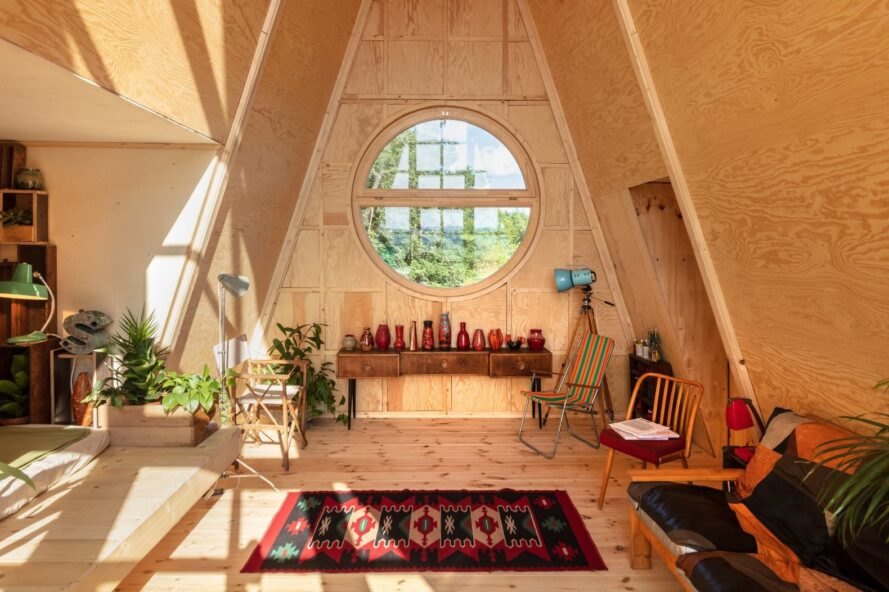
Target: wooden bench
{"x":87,"y":532}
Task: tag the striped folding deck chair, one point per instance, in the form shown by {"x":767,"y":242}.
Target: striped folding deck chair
{"x":576,"y":390}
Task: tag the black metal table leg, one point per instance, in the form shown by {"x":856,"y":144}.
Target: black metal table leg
{"x":537,"y":407}
{"x":351,"y":402}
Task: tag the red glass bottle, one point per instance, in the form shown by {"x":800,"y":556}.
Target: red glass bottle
{"x":399,"y":338}
{"x":462,"y":338}
{"x":428,"y":336}
{"x":444,"y":332}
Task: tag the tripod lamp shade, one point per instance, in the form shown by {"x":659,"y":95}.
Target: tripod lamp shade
{"x":22,"y":286}
{"x":570,"y":278}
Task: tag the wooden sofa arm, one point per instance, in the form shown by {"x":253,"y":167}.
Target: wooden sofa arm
{"x":684,"y":475}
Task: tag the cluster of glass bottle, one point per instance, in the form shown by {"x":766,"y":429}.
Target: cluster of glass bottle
{"x":650,"y":347}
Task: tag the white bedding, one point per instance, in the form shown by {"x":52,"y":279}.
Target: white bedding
{"x":51,"y":469}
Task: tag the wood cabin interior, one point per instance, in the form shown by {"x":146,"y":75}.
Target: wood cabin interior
{"x":715,"y":171}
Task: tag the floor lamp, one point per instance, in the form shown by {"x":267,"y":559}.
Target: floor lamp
{"x":237,"y":286}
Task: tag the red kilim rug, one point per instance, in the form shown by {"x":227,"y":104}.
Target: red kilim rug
{"x":367,"y":531}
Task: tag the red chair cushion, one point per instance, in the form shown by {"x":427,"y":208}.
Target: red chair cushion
{"x":648,"y":450}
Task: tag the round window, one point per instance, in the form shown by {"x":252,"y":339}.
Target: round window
{"x":445,"y":205}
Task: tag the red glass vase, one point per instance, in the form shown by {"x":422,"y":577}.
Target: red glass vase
{"x":462,"y":338}
{"x":478,"y":340}
{"x":444,"y":332}
{"x":428,"y":336}
{"x":536,"y":340}
{"x":383,"y":337}
{"x":366,"y":342}
{"x":399,"y":338}
{"x":495,"y":339}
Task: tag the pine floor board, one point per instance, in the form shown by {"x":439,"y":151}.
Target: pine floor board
{"x":206,"y":550}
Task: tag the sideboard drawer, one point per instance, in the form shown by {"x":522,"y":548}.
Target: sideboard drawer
{"x":368,"y":365}
{"x":520,"y":363}
{"x":444,"y":363}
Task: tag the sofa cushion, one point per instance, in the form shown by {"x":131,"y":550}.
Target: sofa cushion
{"x":648,"y":450}
{"x":719,"y":571}
{"x":692,"y":516}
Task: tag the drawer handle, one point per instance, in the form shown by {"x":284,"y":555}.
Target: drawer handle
{"x":443,"y":364}
{"x":521,"y":365}
{"x":366,"y":367}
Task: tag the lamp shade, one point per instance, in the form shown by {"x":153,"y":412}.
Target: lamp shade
{"x":737,"y":415}
{"x":570,"y":278}
{"x":22,"y":286}
{"x":236,"y":285}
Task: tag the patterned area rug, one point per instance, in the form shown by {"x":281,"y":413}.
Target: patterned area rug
{"x":366,"y":531}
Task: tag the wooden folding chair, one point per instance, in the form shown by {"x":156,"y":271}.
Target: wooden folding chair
{"x":577,"y":390}
{"x":266,"y":402}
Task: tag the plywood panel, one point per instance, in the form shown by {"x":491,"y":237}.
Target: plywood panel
{"x":787,"y":198}
{"x":304,"y":270}
{"x":336,"y":196}
{"x":514,"y":25}
{"x":354,"y":124}
{"x":369,"y":70}
{"x":415,"y":67}
{"x":418,"y":393}
{"x":485,"y":312}
{"x":558,"y":184}
{"x":267,"y":172}
{"x":312,"y":214}
{"x":480,"y":394}
{"x":475,"y":18}
{"x":536,"y":124}
{"x":402,"y":308}
{"x":553,"y":250}
{"x":195,"y":77}
{"x":543,"y":310}
{"x":524,"y":75}
{"x":350,"y":313}
{"x":375,"y":26}
{"x":299,"y":308}
{"x":346,"y":264}
{"x":415,"y":18}
{"x":603,"y":105}
{"x":475,"y":68}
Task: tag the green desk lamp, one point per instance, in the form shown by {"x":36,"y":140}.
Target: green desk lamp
{"x":22,"y":287}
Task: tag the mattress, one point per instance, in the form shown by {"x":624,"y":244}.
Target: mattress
{"x":50,"y":469}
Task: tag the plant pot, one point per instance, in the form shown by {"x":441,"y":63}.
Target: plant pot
{"x":15,"y":421}
{"x":148,"y":425}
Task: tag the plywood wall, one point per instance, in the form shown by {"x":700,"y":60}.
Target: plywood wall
{"x":778,"y":115}
{"x":306,"y":50}
{"x":183,"y":59}
{"x":123,"y":219}
{"x":474,"y":54}
{"x":603,"y":105}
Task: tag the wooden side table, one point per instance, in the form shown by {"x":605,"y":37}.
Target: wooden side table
{"x":389,"y":363}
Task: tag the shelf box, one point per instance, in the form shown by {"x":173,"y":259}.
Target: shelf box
{"x":35,"y":202}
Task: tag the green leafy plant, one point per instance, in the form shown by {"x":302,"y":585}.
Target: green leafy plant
{"x":861,"y":499}
{"x":190,"y":392}
{"x":299,"y":343}
{"x":8,"y":471}
{"x":138,"y":376}
{"x":14,"y":393}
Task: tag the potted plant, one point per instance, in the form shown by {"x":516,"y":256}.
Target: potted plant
{"x":14,"y":393}
{"x":300,"y":343}
{"x":860,"y":501}
{"x":148,"y":405}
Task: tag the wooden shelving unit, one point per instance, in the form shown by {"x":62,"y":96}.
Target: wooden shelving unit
{"x":31,"y":201}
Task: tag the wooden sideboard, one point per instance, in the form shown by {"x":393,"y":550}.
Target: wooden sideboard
{"x":389,"y":363}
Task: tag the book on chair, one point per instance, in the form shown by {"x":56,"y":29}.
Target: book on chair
{"x":642,"y":429}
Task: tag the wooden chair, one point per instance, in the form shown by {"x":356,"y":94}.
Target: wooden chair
{"x":675,"y":405}
{"x":267,"y":402}
{"x":577,"y":389}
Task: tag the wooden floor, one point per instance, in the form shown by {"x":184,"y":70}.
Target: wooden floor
{"x":206,"y":550}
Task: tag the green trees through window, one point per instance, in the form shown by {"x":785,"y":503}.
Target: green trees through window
{"x":445,"y":204}
{"x":445,"y":247}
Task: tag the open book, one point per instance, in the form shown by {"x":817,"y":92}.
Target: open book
{"x":642,"y":429}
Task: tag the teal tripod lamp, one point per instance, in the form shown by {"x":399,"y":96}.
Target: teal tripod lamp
{"x":23,"y":287}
